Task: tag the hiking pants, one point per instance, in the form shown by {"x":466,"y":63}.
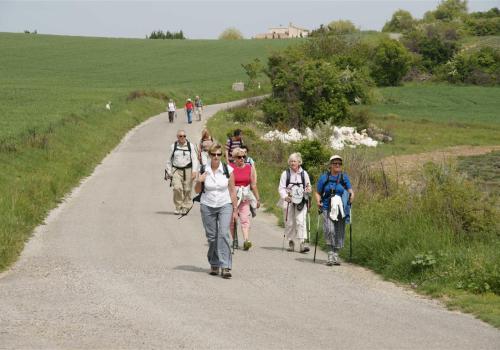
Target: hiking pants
{"x":334,"y":231}
{"x":216,"y":222}
{"x":171,"y":116}
{"x":295,"y":222}
{"x":198,"y":112}
{"x":189,"y":113}
{"x":244,"y":216}
{"x":182,"y":188}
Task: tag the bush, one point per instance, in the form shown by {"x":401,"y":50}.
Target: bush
{"x":314,"y":157}
{"x":401,"y":22}
{"x":436,"y":43}
{"x":341,"y":27}
{"x":480,"y":67}
{"x":231,"y":34}
{"x":360,"y":118}
{"x":391,"y":62}
{"x":243,"y":115}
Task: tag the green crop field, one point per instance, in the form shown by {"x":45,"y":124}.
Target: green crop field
{"x":45,"y":78}
{"x":54,"y":127}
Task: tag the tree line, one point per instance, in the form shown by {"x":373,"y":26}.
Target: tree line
{"x":160,"y":34}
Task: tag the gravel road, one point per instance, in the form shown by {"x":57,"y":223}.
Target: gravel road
{"x":113,"y":268}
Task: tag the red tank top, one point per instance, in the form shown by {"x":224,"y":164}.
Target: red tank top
{"x":242,"y":176}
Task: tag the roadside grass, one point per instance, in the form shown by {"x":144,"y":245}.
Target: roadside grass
{"x":441,"y":238}
{"x":485,"y":170}
{"x":54,"y":128}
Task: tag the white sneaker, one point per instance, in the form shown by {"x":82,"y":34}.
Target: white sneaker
{"x":184,"y":211}
{"x":177,"y":211}
{"x":336,"y":259}
{"x":330,"y":260}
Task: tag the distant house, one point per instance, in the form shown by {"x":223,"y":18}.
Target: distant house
{"x":292,"y":31}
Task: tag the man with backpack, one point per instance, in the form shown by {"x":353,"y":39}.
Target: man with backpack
{"x":333,"y":197}
{"x":182,"y":166}
{"x":233,"y":142}
{"x":198,"y":105}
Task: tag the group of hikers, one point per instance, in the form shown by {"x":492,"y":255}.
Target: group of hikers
{"x":228,"y":195}
{"x":190,"y":107}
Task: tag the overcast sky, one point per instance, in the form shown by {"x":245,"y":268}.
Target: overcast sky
{"x":199,"y":19}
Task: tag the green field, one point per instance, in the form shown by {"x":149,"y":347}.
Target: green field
{"x":45,"y":78}
{"x":54,"y":127}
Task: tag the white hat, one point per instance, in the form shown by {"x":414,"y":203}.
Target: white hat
{"x":189,"y":99}
{"x":336,"y":156}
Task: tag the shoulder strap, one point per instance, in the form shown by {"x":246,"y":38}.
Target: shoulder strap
{"x":173,"y":152}
{"x":225,"y":170}
{"x":303,"y":178}
{"x":288,"y":175}
{"x":325,"y":184}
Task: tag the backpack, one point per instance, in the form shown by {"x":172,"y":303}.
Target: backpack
{"x":202,"y":171}
{"x":302,"y":177}
{"x":340,"y":179}
{"x":231,"y":144}
{"x":175,"y":149}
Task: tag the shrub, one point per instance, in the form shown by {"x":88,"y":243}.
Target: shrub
{"x":243,"y":115}
{"x":231,"y":34}
{"x":360,"y":118}
{"x":342,"y":27}
{"x":401,"y":22}
{"x":480,"y":67}
{"x":314,"y":156}
{"x":391,"y":62}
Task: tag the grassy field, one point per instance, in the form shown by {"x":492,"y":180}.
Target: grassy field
{"x":54,"y":127}
{"x":441,"y":238}
{"x":45,"y":78}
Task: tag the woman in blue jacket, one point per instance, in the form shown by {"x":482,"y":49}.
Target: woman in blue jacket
{"x":331,"y":188}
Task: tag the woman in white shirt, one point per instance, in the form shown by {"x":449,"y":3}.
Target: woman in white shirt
{"x":218,"y":206}
{"x":295,"y":186}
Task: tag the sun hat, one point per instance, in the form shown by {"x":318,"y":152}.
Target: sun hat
{"x":189,"y":99}
{"x":336,"y":156}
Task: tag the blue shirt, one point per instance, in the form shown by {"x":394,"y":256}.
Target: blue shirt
{"x":331,"y":185}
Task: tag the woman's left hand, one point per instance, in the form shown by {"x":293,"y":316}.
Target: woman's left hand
{"x":235,"y":215}
{"x":258,"y":203}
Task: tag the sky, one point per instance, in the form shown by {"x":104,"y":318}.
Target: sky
{"x":200,"y":19}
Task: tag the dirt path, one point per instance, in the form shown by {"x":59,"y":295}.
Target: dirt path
{"x":405,"y":165}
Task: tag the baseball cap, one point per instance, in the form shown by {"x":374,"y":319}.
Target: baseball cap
{"x":336,"y":156}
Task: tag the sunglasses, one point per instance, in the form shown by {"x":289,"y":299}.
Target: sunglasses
{"x":240,"y":157}
{"x":336,"y":163}
{"x":216,"y":154}
{"x":181,"y":135}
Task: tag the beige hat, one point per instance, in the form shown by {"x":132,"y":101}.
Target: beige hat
{"x":336,"y":156}
{"x":189,"y":99}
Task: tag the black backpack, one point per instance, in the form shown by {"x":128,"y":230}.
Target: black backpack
{"x":202,"y":171}
{"x":175,"y":149}
{"x":302,"y":177}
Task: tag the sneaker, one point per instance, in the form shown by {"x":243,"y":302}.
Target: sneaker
{"x":303,"y":248}
{"x":214,"y":270}
{"x":226,"y":273}
{"x":329,"y":262}
{"x":184,"y":211}
{"x":291,"y":246}
{"x":336,"y":259}
{"x":247,"y":245}
{"x":177,"y":211}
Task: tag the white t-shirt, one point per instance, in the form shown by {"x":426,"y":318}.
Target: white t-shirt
{"x":216,"y":192}
{"x":171,"y":107}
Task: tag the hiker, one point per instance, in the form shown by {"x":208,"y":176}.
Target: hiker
{"x":198,"y":105}
{"x":246,"y":192}
{"x":189,"y":110}
{"x":205,"y":144}
{"x":333,"y":197}
{"x":171,"y":110}
{"x":295,"y":189}
{"x":182,"y":168}
{"x":233,"y":142}
{"x":219,"y":209}
{"x":248,"y":159}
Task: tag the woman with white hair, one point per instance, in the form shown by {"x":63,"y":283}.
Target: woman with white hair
{"x":294,"y":190}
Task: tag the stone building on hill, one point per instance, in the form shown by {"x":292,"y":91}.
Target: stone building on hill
{"x":292,"y":31}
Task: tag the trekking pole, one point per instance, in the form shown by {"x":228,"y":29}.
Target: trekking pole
{"x":317,"y":235}
{"x":350,"y":233}
{"x":235,"y":236}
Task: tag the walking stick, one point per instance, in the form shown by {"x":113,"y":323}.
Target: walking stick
{"x":317,"y":235}
{"x":350,"y":233}
{"x":235,"y":236}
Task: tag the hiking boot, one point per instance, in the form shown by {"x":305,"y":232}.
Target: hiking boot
{"x":226,"y":273}
{"x":291,"y":246}
{"x":336,"y":259}
{"x":184,"y":211}
{"x":329,"y":261}
{"x":214,"y":270}
{"x":247,"y":245}
{"x":303,"y":248}
{"x":177,"y":211}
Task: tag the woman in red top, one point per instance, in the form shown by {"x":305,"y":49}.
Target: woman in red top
{"x":189,"y":110}
{"x":247,"y":192}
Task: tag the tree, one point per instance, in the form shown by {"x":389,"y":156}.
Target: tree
{"x":252,"y":69}
{"x":231,"y":34}
{"x":401,"y":22}
{"x":447,"y":11}
{"x":342,"y":27}
{"x":391,"y":61}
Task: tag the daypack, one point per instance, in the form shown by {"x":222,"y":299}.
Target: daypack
{"x":197,"y":198}
{"x":231,"y":145}
{"x":340,"y":179}
{"x":302,"y":177}
{"x":177,"y":148}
